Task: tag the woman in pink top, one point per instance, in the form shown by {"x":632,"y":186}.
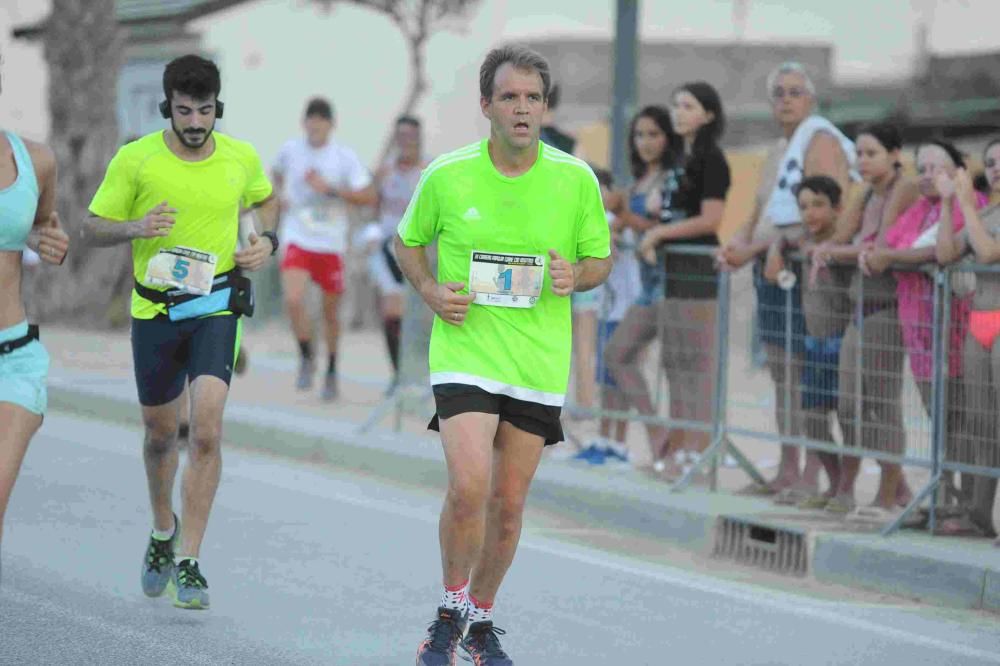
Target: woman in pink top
{"x":981,"y":417}
{"x":911,"y":241}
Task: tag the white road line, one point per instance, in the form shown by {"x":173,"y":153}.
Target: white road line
{"x":291,"y":477}
{"x":743,"y":592}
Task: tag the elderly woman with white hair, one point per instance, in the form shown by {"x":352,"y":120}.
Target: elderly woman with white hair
{"x":810,"y":145}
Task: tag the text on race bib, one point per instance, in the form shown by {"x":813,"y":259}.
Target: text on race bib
{"x":329,"y":221}
{"x":506,"y":280}
{"x":182,"y":268}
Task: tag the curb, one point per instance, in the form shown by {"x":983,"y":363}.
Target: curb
{"x":939,"y":572}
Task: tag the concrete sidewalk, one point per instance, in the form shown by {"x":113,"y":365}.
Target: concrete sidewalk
{"x":92,"y":375}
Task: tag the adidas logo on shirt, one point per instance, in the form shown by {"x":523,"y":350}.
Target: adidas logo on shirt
{"x":471,"y":215}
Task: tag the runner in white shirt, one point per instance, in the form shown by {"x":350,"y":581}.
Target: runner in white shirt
{"x":396,"y":181}
{"x":318,"y":179}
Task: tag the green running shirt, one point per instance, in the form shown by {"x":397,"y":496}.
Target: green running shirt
{"x":469,"y":206}
{"x":207,"y":194}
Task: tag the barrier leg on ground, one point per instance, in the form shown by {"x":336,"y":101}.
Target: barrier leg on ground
{"x":721,"y":443}
{"x":413,"y":390}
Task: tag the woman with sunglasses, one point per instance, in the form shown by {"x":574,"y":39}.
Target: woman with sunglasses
{"x":810,"y":145}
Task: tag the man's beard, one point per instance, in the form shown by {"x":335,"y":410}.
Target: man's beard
{"x":192,"y":139}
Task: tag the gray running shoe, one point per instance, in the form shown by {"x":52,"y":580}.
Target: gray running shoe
{"x":190,"y":587}
{"x":307,"y":368}
{"x":330,"y":391}
{"x":482,"y":644}
{"x":158,"y":564}
{"x":443,"y":637}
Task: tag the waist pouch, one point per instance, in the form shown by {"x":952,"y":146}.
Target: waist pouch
{"x":230,"y":291}
{"x":390,"y":261}
{"x":15,"y":344}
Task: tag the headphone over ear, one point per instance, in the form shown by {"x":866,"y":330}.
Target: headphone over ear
{"x":165,"y":108}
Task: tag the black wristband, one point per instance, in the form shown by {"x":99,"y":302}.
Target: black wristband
{"x":273,"y":237}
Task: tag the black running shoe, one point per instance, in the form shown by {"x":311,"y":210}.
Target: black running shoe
{"x":190,"y":587}
{"x":443,"y":637}
{"x":482,"y":644}
{"x":158,"y":563}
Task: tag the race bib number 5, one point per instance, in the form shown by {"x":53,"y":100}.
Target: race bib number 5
{"x":506,"y":280}
{"x":182,"y":268}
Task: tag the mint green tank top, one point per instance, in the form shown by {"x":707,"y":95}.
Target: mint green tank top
{"x":18,"y":201}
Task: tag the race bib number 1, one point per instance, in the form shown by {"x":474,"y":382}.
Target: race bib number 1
{"x":182,"y":268}
{"x":506,"y":280}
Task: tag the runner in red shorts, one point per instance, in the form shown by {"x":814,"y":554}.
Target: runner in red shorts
{"x":318,"y":179}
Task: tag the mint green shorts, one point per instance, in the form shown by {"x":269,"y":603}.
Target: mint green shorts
{"x":23,"y":371}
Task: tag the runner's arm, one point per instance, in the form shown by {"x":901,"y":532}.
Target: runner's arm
{"x":590,"y":272}
{"x":102,"y":232}
{"x":366,"y":196}
{"x":267,"y":213}
{"x":413,"y":262}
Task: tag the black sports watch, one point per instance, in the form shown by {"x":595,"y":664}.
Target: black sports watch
{"x":273,"y":237}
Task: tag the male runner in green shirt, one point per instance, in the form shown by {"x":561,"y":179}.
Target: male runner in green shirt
{"x":176,"y":196}
{"x":520,"y":226}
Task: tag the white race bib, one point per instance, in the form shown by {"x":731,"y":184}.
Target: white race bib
{"x":506,"y":280}
{"x":329,"y":221}
{"x":182,"y":268}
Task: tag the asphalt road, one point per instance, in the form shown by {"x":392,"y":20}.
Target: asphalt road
{"x":316,"y":566}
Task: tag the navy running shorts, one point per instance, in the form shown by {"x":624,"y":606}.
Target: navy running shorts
{"x":166,"y":353}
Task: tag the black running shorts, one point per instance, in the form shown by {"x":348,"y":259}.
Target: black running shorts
{"x":531,"y":417}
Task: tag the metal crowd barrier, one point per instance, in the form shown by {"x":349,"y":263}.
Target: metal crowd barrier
{"x":896,"y":416}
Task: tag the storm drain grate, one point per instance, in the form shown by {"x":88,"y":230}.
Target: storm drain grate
{"x":779,"y":550}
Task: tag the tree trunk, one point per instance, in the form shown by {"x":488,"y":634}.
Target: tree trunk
{"x":418,"y":86}
{"x":84,"y":49}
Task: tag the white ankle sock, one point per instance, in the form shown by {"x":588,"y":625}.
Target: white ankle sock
{"x":160,"y":535}
{"x":180,"y":558}
{"x":456,"y":597}
{"x":480,"y":611}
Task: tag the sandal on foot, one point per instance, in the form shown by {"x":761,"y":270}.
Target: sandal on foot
{"x":839,"y":506}
{"x":814,"y":502}
{"x":791,"y":496}
{"x":756,"y":490}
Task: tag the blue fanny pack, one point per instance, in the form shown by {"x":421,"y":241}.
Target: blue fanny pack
{"x":230,"y":291}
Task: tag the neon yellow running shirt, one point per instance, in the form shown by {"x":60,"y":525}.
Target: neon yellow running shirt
{"x":470,"y":207}
{"x":207,"y":194}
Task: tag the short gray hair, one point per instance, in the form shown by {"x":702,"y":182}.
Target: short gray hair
{"x":520,"y":57}
{"x":790,"y":67}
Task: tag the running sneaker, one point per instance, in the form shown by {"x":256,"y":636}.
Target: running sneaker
{"x":158,"y":563}
{"x":592,"y":454}
{"x":329,"y":392}
{"x":443,"y":637}
{"x":307,"y":368}
{"x":190,"y":587}
{"x":482,"y":644}
{"x":615,"y":454}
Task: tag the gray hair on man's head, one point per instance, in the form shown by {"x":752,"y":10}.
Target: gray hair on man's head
{"x":790,"y":67}
{"x":521,"y":57}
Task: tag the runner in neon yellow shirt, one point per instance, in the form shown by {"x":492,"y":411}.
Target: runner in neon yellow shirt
{"x":176,"y":196}
{"x":519,"y":227}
